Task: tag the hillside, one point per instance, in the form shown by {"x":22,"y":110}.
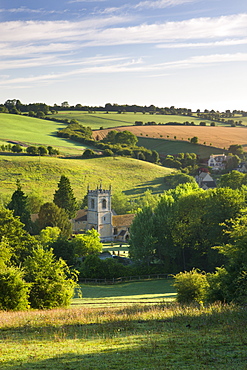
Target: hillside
{"x":42,"y":174}
{"x":34,"y":131}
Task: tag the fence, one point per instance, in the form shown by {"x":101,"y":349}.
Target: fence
{"x":126,"y":279}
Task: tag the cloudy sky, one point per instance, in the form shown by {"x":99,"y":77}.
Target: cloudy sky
{"x":187,"y":53}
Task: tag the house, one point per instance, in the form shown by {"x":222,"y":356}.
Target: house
{"x":121,"y":226}
{"x":100,"y":216}
{"x":242,"y":167}
{"x":217,"y":161}
{"x":205,"y":181}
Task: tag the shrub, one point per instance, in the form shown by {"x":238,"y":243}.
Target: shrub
{"x":191,"y":286}
{"x":51,"y":282}
{"x":13,"y":290}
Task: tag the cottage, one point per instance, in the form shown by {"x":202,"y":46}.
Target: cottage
{"x":205,"y":181}
{"x":217,"y":161}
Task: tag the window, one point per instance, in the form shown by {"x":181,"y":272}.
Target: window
{"x":92,"y":203}
{"x":104,"y":204}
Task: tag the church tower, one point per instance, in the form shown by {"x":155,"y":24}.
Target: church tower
{"x":99,"y":215}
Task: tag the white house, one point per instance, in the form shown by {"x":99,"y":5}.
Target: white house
{"x":217,"y":161}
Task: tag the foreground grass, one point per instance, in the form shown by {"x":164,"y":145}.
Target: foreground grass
{"x":42,"y":174}
{"x":164,"y":336}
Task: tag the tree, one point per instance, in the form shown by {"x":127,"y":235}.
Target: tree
{"x":49,"y":235}
{"x":194,"y":140}
{"x":88,"y":153}
{"x":42,"y":150}
{"x":19,"y":206}
{"x":64,"y":196}
{"x":52,"y":283}
{"x":232,"y":161}
{"x":14,"y":291}
{"x":52,"y":215}
{"x":32,"y":150}
{"x":236,"y":149}
{"x":191,"y":286}
{"x":233,"y":180}
{"x":126,"y":137}
{"x":16,"y":148}
{"x":13,"y":235}
{"x":120,"y":203}
{"x":88,"y":243}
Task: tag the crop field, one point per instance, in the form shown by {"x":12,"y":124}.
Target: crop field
{"x":219,"y":137}
{"x":137,"y":337}
{"x":41,"y":174}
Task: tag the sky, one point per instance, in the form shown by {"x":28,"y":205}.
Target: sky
{"x":182,"y":53}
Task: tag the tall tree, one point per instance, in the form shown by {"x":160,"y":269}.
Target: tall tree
{"x":50,"y":215}
{"x":19,"y":205}
{"x":64,"y":196}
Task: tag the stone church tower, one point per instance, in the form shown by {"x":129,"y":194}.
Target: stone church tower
{"x":99,"y":214}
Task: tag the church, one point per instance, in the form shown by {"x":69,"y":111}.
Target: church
{"x":100,"y":216}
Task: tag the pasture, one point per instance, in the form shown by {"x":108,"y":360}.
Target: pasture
{"x":125,"y":336}
{"x":113,"y":119}
{"x":41,"y":174}
{"x":34,"y":131}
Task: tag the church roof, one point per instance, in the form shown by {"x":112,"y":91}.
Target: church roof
{"x":81,"y":215}
{"x":122,"y":220}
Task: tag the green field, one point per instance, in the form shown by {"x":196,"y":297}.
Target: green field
{"x":34,"y":131}
{"x":43,"y":173}
{"x":112,"y":119}
{"x":165,"y":147}
{"x":164,"y":336}
{"x":143,"y":292}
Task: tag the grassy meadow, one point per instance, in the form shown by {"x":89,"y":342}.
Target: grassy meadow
{"x":41,"y":174}
{"x":127,"y":337}
{"x":113,"y":119}
{"x":34,"y":131}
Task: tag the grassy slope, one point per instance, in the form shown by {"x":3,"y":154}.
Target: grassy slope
{"x":164,"y":147}
{"x":125,"y":174}
{"x":33,"y":131}
{"x":127,"y":337}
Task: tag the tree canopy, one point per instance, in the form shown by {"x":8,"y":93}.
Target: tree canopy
{"x":64,"y":197}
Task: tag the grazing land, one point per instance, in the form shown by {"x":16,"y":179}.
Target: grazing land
{"x":138,"y":337}
{"x":43,"y":173}
{"x":143,"y":292}
{"x":34,"y":131}
{"x":219,"y":137}
{"x":113,"y":119}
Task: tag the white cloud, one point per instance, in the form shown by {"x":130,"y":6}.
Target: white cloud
{"x":158,"y":4}
{"x":226,"y":42}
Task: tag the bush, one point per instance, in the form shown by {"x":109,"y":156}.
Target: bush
{"x":13,"y":290}
{"x":191,"y":286}
{"x":51,"y":281}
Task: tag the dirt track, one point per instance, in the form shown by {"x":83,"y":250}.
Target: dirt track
{"x":221,"y":137}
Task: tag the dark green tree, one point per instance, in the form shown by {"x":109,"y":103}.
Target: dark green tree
{"x":52,"y":215}
{"x":64,"y":197}
{"x":19,"y":206}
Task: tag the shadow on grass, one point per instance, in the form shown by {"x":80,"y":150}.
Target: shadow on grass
{"x":156,"y":186}
{"x":184,"y":341}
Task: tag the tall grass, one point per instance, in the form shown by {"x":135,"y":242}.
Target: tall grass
{"x":164,"y":336}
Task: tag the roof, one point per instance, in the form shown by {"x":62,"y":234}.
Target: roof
{"x":81,"y":215}
{"x":209,"y":184}
{"x":122,"y":220}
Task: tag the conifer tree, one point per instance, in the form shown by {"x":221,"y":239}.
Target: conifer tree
{"x":19,"y":205}
{"x":64,"y":197}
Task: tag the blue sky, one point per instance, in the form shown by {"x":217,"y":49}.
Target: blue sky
{"x":186,"y":53}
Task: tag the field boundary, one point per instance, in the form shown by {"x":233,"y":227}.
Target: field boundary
{"x":124,"y":279}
